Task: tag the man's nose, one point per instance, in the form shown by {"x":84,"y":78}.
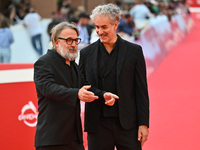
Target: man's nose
{"x":73,"y":43}
{"x":99,"y":31}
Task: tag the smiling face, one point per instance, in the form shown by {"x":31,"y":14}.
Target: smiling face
{"x":106,"y":29}
{"x":69,"y":52}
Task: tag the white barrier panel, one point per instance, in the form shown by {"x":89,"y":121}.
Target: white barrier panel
{"x":16,"y":75}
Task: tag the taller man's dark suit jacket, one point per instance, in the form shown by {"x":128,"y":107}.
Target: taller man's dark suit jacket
{"x":131,"y":85}
{"x":58,"y":105}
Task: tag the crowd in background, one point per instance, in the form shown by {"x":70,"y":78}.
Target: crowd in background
{"x":134,"y":18}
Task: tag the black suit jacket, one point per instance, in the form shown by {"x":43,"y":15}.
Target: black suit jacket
{"x":131,"y":85}
{"x":58,"y":105}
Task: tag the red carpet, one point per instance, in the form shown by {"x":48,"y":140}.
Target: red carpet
{"x":174,"y":90}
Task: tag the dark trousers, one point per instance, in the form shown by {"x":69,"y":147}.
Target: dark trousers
{"x":74,"y":145}
{"x":37,"y":43}
{"x":111,"y":134}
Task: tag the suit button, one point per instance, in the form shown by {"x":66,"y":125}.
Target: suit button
{"x":102,"y":79}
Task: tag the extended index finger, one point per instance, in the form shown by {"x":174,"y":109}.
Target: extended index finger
{"x":87,"y":87}
{"x":115,"y":96}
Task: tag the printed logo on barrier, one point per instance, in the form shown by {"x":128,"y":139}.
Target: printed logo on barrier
{"x":29,"y":114}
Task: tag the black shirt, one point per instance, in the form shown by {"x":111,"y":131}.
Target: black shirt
{"x":107,"y":76}
{"x":70,"y":70}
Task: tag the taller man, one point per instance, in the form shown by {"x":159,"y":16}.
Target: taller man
{"x":115,"y":65}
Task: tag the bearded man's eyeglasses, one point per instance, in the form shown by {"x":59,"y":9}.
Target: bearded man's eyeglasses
{"x":69,"y":41}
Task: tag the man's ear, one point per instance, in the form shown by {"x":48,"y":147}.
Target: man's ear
{"x":56,"y":43}
{"x":116,"y":24}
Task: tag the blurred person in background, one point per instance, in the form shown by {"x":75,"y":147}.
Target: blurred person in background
{"x":74,"y":20}
{"x":119,"y":4}
{"x":153,"y":7}
{"x":1,"y":16}
{"x":53,"y":23}
{"x":167,"y":9}
{"x":79,"y":10}
{"x":63,"y":14}
{"x":32,"y":23}
{"x":16,"y":10}
{"x":183,"y":7}
{"x":118,"y":66}
{"x":83,"y":30}
{"x":140,"y":13}
{"x":163,"y":8}
{"x":11,"y":13}
{"x":127,"y":25}
{"x":127,"y":28}
{"x":90,"y":26}
{"x":65,"y":10}
{"x":82,"y":27}
{"x":20,"y":15}
{"x":6,"y":39}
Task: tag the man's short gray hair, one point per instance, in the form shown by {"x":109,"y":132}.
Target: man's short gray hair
{"x":110,"y":10}
{"x":55,"y":31}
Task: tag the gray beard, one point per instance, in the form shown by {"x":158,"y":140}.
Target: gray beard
{"x":69,"y":56}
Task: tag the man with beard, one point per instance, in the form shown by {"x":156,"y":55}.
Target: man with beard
{"x":59,"y":87}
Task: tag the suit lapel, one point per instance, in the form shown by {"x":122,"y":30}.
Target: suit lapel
{"x":121,"y":55}
{"x":58,"y":61}
{"x":94,"y":61}
{"x":75,"y":75}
